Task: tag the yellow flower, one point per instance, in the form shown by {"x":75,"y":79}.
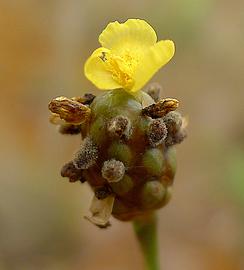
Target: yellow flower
{"x":130,"y":55}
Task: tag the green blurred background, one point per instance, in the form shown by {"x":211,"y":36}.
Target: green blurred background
{"x":43,"y":47}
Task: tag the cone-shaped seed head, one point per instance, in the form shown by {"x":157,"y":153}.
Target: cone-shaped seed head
{"x":125,"y":156}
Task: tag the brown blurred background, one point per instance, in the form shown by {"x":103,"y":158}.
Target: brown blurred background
{"x":43,"y":47}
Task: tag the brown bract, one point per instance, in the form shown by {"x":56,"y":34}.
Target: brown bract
{"x":70,"y":110}
{"x":86,"y":99}
{"x":161,"y":108}
{"x":119,"y":127}
{"x":69,"y":170}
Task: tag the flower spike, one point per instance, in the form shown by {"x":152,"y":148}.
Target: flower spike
{"x":127,"y":154}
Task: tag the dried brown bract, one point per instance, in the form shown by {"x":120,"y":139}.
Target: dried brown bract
{"x":86,"y":99}
{"x":102,"y":192}
{"x":70,"y":129}
{"x":70,"y":110}
{"x":119,"y":127}
{"x":69,"y":170}
{"x":161,"y":108}
{"x":157,"y":132}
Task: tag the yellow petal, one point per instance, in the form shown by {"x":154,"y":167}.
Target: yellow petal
{"x":96,"y":72}
{"x":155,"y":57}
{"x":133,"y":33}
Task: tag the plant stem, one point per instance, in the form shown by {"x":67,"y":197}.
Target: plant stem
{"x":146,"y":231}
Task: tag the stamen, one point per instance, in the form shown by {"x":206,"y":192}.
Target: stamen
{"x":121,"y":68}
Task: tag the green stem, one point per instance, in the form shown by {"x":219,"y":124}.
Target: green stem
{"x":146,"y":231}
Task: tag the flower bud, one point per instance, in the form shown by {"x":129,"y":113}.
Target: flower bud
{"x":153,"y":161}
{"x":123,"y":186}
{"x":152,"y":194}
{"x":121,"y":152}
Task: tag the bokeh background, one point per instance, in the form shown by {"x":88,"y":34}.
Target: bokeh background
{"x":43,"y":47}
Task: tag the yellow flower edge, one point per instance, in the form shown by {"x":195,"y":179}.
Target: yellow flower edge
{"x":130,"y":55}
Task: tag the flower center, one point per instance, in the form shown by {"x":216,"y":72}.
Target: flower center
{"x":122,"y":68}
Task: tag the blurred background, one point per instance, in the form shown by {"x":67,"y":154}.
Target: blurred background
{"x":43,"y":47}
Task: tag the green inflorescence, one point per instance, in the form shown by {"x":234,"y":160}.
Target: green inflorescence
{"x":128,"y":154}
